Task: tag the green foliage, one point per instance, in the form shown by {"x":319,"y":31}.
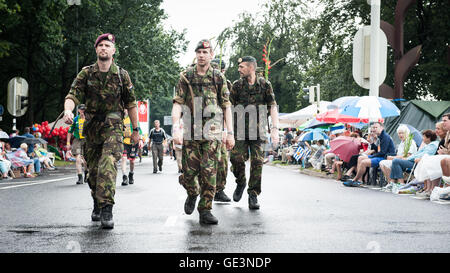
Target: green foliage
{"x":43,"y":38}
{"x":316,"y":40}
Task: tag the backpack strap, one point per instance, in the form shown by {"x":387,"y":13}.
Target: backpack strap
{"x":188,"y":82}
{"x":217,"y":73}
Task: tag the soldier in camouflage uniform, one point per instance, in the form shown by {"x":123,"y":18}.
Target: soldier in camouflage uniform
{"x":201,"y":153}
{"x":222,"y":165}
{"x":251,"y":90}
{"x":106,"y":90}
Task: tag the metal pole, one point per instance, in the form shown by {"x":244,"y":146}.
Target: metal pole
{"x":318,"y":98}
{"x":374,"y":46}
{"x":14,"y":104}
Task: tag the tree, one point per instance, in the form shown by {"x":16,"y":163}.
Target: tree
{"x":47,"y":35}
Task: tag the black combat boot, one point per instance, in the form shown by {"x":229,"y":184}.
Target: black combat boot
{"x":160,"y":168}
{"x":221,"y":197}
{"x":189,"y":205}
{"x":130,"y":178}
{"x":207,"y":218}
{"x":253,"y":201}
{"x":155,"y":170}
{"x":124,"y":180}
{"x":80,"y":179}
{"x":237,"y":195}
{"x":106,"y":217}
{"x":86,"y":176}
{"x":95,"y":216}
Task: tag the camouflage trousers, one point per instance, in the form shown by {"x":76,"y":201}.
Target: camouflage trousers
{"x":200,"y":160}
{"x":222,"y":168}
{"x":240,"y":153}
{"x":103,"y":150}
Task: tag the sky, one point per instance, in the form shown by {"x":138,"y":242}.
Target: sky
{"x":204,"y":19}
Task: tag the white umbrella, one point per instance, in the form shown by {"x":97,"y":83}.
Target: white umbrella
{"x":3,"y":135}
{"x":369,"y":107}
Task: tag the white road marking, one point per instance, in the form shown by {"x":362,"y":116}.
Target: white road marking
{"x":170,"y":222}
{"x":35,"y":183}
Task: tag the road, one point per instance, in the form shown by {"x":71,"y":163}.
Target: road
{"x":299,"y":213}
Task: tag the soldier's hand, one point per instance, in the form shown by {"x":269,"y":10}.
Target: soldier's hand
{"x":68,"y":147}
{"x":177,"y":135}
{"x":68,"y":117}
{"x":135,"y":137}
{"x":224,"y":137}
{"x":230,"y":142}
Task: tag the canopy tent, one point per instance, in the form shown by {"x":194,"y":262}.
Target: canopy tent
{"x":421,"y":115}
{"x":296,"y":118}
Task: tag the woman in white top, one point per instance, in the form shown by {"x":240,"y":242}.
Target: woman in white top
{"x":429,"y":169}
{"x":403,"y":134}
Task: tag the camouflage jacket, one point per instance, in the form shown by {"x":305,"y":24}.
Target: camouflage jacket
{"x":242,"y":94}
{"x":209,"y":87}
{"x":103,"y":96}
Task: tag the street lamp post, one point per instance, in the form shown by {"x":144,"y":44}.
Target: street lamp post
{"x":75,"y":3}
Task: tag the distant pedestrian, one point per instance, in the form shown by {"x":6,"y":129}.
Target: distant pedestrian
{"x":156,"y":138}
{"x":78,"y":146}
{"x":130,"y":152}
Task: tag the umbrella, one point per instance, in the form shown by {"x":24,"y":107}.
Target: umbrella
{"x":338,"y":102}
{"x":305,"y":124}
{"x":15,"y":141}
{"x":315,"y":124}
{"x":3,"y":135}
{"x":34,"y":141}
{"x":337,"y":128}
{"x":334,"y":116}
{"x":369,"y":108}
{"x":345,"y":147}
{"x":313,"y":135}
{"x":417,"y":136}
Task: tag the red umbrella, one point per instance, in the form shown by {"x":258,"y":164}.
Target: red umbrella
{"x":345,"y":147}
{"x":334,"y":116}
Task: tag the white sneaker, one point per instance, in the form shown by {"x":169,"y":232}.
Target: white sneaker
{"x":388,"y":187}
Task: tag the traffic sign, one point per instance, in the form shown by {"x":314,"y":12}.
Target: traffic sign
{"x":17,"y":96}
{"x":361,"y":57}
{"x":1,"y":109}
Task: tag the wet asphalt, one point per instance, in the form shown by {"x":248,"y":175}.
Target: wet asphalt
{"x":299,"y":213}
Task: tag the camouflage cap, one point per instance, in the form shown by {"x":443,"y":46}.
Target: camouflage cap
{"x":203,"y":44}
{"x":106,"y":36}
{"x":250,"y":59}
{"x":217,"y":61}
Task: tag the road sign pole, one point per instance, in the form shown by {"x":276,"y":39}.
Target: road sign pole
{"x":374,"y":46}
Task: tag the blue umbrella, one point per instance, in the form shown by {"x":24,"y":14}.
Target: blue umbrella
{"x":337,"y":128}
{"x":313,"y":135}
{"x":417,"y":136}
{"x":369,"y":107}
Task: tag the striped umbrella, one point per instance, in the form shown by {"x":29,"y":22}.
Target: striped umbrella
{"x":369,"y":108}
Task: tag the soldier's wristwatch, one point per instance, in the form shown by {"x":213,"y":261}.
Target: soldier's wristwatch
{"x":136,"y":129}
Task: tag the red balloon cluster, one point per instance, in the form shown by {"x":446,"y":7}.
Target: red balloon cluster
{"x":58,"y":136}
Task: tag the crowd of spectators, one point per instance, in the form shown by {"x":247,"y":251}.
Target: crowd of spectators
{"x":19,"y":159}
{"x":420,"y":169}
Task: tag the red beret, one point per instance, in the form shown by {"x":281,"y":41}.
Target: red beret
{"x":106,"y":36}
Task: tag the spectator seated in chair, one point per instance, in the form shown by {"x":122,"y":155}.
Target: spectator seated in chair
{"x":386,"y":147}
{"x":401,"y":165}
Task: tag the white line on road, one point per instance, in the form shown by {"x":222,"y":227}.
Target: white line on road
{"x":35,"y":183}
{"x":170,"y":222}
